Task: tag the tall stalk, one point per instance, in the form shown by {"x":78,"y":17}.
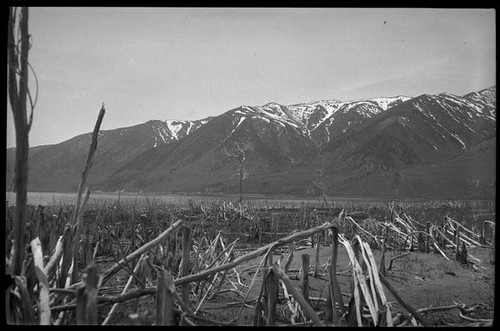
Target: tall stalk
{"x":18,"y":66}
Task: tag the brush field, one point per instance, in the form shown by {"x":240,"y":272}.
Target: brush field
{"x":223,"y":231}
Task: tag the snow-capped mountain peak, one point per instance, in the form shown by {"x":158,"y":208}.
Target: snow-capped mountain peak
{"x":166,"y":131}
{"x":386,"y":103}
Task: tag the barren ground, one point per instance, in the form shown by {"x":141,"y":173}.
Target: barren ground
{"x":422,"y":280}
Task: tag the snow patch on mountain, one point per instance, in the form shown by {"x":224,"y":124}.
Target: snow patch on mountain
{"x":175,"y":126}
{"x":388,"y":102}
{"x":162,"y":133}
{"x":464,"y":147}
{"x":241,"y":119}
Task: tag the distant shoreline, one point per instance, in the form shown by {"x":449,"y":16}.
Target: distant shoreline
{"x":46,"y":198}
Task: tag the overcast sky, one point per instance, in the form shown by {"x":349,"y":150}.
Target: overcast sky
{"x":190,"y":63}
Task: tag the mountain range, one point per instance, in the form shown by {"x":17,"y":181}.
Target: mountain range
{"x":429,"y":146}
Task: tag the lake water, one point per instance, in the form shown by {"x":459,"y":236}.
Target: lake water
{"x":144,"y":199}
{"x":51,"y":198}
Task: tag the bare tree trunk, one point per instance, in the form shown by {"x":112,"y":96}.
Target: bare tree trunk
{"x":241,"y":181}
{"x":19,"y":111}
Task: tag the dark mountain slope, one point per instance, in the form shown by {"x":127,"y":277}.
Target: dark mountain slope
{"x":270,"y":147}
{"x":431,"y":145}
{"x":58,"y":167}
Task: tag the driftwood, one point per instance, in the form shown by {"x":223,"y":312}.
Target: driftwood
{"x":334,"y":293}
{"x":367,"y":290}
{"x":262,"y":250}
{"x":303,"y":303}
{"x":182,"y":280}
{"x":117,"y":266}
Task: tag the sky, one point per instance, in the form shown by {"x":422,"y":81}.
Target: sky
{"x":190,"y":63}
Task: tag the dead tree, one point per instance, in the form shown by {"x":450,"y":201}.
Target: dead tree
{"x":239,"y":153}
{"x":18,"y":93}
{"x":321,"y":178}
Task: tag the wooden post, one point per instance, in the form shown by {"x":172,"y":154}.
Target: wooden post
{"x":388,"y":237}
{"x":305,"y":277}
{"x":164,"y":298}
{"x":273,"y":230}
{"x":382,"y":259}
{"x":260,"y":232}
{"x":333,"y":272}
{"x":457,"y":238}
{"x":427,"y":239}
{"x":258,"y":319}
{"x":276,"y":227}
{"x":290,"y":257}
{"x":271,"y":282}
{"x":463,"y":254}
{"x":331,"y":311}
{"x":66,"y":258}
{"x":421,"y":242}
{"x":186,"y":247}
{"x":86,"y":298}
{"x":492,"y":251}
{"x":436,"y":242}
{"x":316,"y":264}
{"x":132,"y":229}
{"x":270,"y":257}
